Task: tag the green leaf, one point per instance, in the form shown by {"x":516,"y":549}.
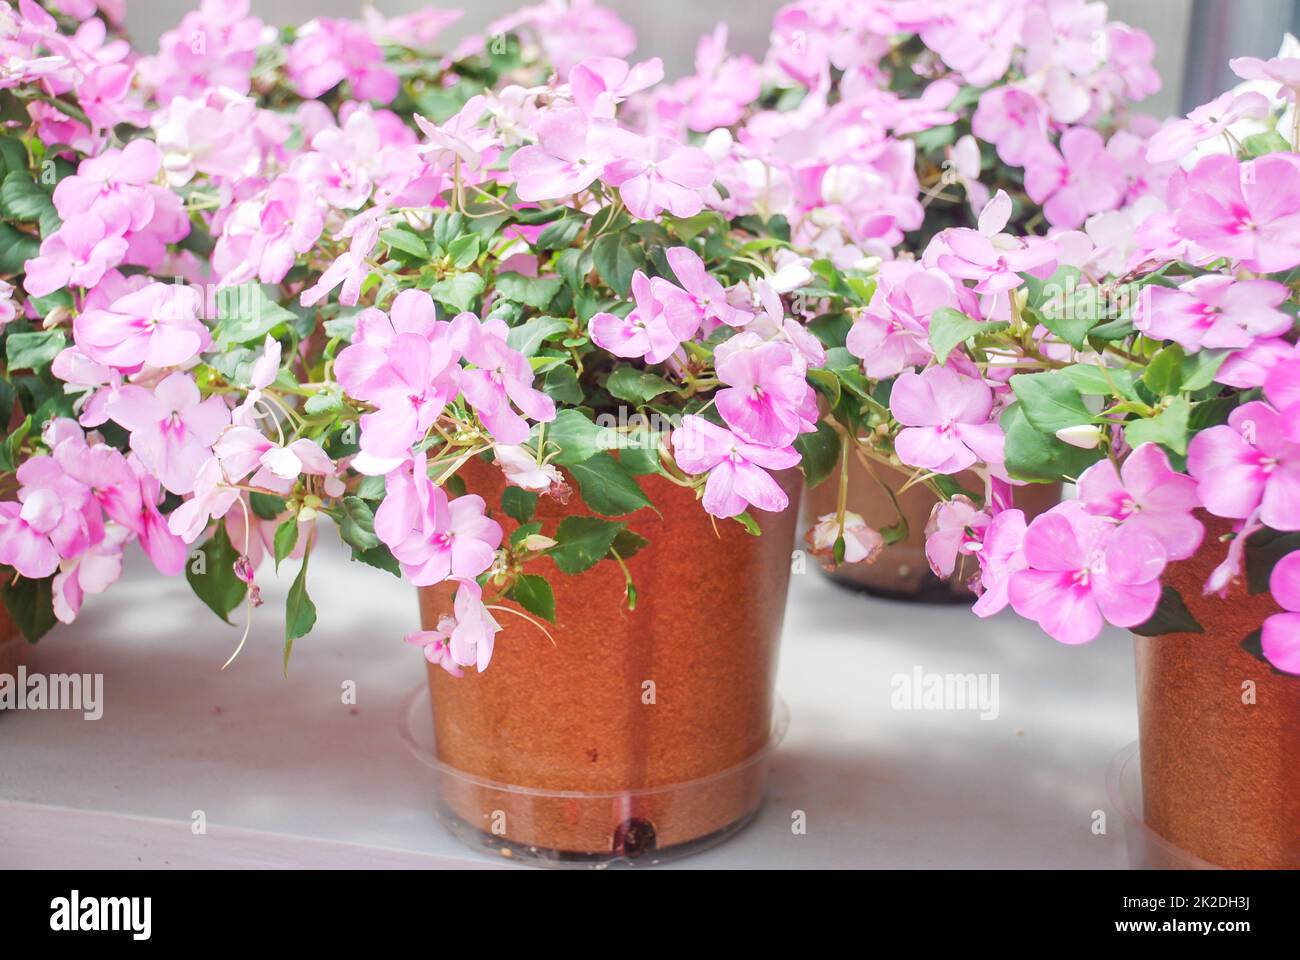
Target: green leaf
{"x":561,"y":233}
{"x":1037,"y":456}
{"x":560,"y":383}
{"x":1164,"y":374}
{"x":629,"y":544}
{"x":217,"y":585}
{"x":1270,"y":141}
{"x":518,"y":503}
{"x":950,"y":328}
{"x":286,"y":538}
{"x":1090,"y":380}
{"x":820,"y":451}
{"x":582,"y":542}
{"x":1171,"y":616}
{"x":524,"y":531}
{"x":457,"y":293}
{"x":1200,"y":369}
{"x":1067,"y":304}
{"x":832,"y":329}
{"x":357,"y":524}
{"x":616,"y":258}
{"x":267,"y":506}
{"x":16,"y":248}
{"x":246,"y":313}
{"x":464,"y":250}
{"x":607,"y":487}
{"x":299,"y":612}
{"x":1167,"y":428}
{"x":23,"y":199}
{"x":536,"y":292}
{"x":1050,"y":401}
{"x":33,"y":351}
{"x":577,"y":437}
{"x":403,"y":239}
{"x":534,"y":594}
{"x":30,"y":604}
{"x":636,"y":386}
{"x":1264,"y":549}
{"x":381,"y":558}
{"x":527,"y":338}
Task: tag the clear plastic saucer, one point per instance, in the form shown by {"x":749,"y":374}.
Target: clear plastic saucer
{"x":1147,"y":850}
{"x":498,"y":818}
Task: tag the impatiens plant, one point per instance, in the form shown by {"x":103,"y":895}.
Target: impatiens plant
{"x":264,"y":277}
{"x":1163,"y":385}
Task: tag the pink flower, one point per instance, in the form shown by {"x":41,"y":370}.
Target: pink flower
{"x":262,"y":236}
{"x":112,"y":187}
{"x":570,"y":32}
{"x":329,"y":51}
{"x":766,"y":399}
{"x":1284,"y":71}
{"x":172,"y":428}
{"x":499,"y":376}
{"x":1176,"y":139}
{"x":955,"y":529}
{"x":1281,"y":636}
{"x":474,"y":635}
{"x":55,"y":517}
{"x":93,"y":571}
{"x":1213,"y":312}
{"x":100,"y":468}
{"x":1014,"y":120}
{"x":156,"y":326}
{"x":225,"y":58}
{"x":77,"y":254}
{"x":214,"y":495}
{"x":657,"y":173}
{"x":663,"y":318}
{"x":437,"y":645}
{"x":946,"y":415}
{"x":988,"y":256}
{"x":569,"y":156}
{"x":410,"y":390}
{"x":601,"y":83}
{"x":722,"y":87}
{"x":1001,"y":554}
{"x":1082,"y":570}
{"x":1249,"y":212}
{"x":893,"y":332}
{"x":702,"y":291}
{"x":165,"y":549}
{"x":1248,"y":464}
{"x":1282,"y":388}
{"x":522,"y":470}
{"x":1082,"y":179}
{"x":434,"y":539}
{"x":1147,"y":493}
{"x":862,"y":543}
{"x":737,"y":469}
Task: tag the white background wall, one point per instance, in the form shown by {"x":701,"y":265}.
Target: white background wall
{"x":669,"y":28}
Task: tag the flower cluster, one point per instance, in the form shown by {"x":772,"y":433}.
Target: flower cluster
{"x":263,"y":277}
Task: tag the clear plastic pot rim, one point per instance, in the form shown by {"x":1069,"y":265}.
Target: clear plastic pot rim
{"x":415,"y":726}
{"x":1124,"y":786}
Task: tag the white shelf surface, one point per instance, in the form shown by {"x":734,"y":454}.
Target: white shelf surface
{"x":287,"y":775}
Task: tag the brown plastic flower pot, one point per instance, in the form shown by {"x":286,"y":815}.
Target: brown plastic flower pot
{"x":1220,"y":728}
{"x":635,"y":733}
{"x":901,"y":571}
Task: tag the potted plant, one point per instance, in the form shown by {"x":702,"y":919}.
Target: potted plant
{"x":1164,"y":385}
{"x":522,"y":355}
{"x":881,"y":127}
